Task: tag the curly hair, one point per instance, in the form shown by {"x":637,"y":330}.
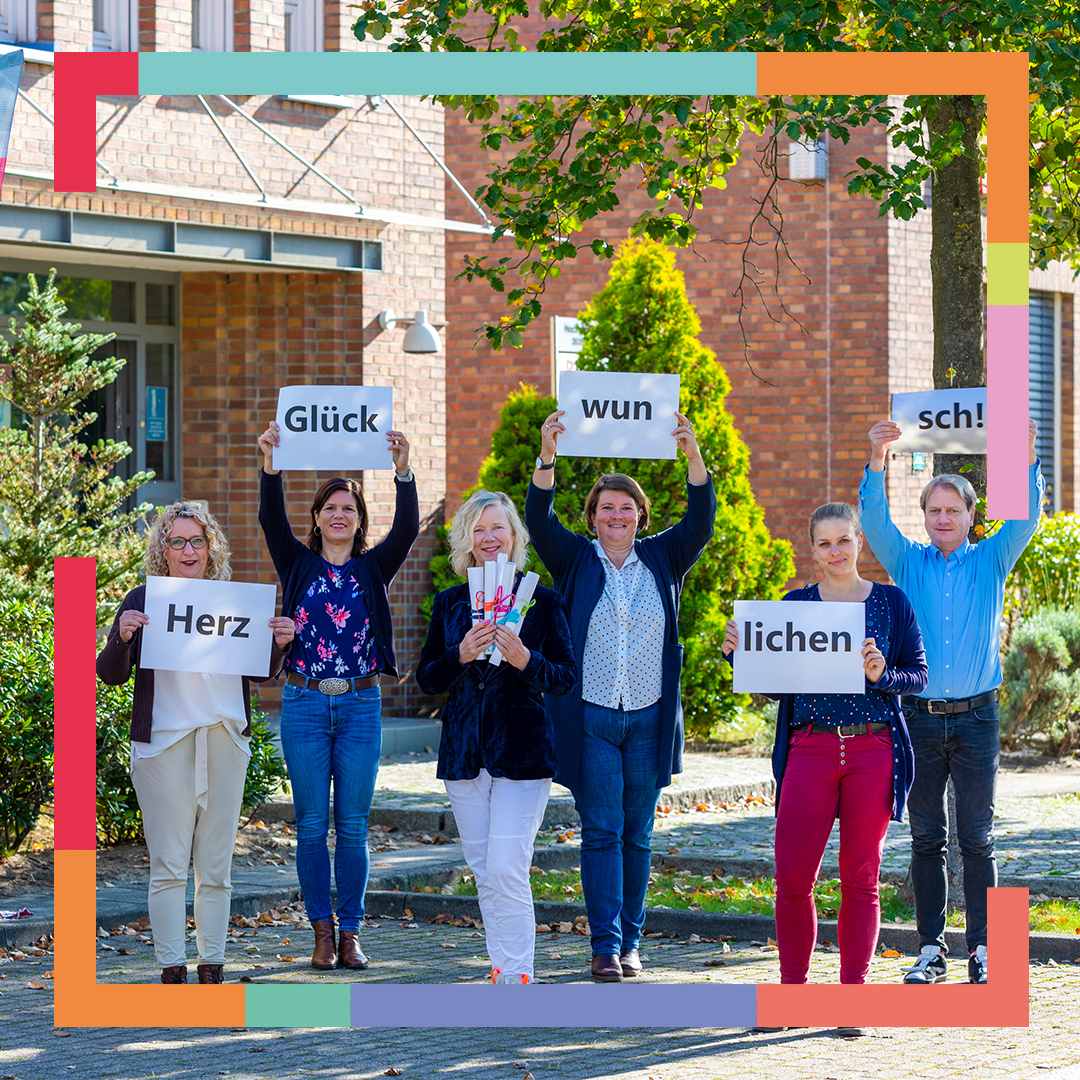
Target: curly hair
{"x":217,"y":545}
{"x":461,"y":530}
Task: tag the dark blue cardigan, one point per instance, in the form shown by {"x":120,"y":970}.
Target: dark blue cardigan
{"x":905,"y":673}
{"x":578,"y":573}
{"x":495,"y":716}
{"x":298,"y":566}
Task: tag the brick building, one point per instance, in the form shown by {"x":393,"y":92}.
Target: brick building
{"x":862,"y":291}
{"x":228,"y":268}
{"x":227,"y":271}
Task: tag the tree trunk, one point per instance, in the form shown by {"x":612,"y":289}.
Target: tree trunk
{"x":956,"y":268}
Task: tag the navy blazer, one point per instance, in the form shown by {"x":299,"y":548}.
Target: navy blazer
{"x":495,"y":717}
{"x":298,"y":566}
{"x":578,"y":573}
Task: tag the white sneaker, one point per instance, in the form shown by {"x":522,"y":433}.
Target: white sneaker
{"x":929,"y":967}
{"x":977,"y":965}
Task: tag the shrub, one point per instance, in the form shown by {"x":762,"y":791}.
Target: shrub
{"x":642,"y":320}
{"x":1041,"y":689}
{"x":26,"y":718}
{"x":1046,"y":574}
{"x":118,"y":816}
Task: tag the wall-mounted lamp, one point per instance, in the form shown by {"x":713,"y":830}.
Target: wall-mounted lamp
{"x":421,"y":337}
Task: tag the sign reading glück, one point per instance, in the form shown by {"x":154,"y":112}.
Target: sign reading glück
{"x":941,"y":421}
{"x":788,"y":648}
{"x":334,"y":427}
{"x":618,"y":414}
{"x":216,"y":627}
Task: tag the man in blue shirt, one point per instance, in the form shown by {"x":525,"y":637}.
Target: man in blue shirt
{"x":957,"y":590}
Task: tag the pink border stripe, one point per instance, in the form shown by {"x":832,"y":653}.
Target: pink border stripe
{"x":75,"y":705}
{"x":1007,"y":397}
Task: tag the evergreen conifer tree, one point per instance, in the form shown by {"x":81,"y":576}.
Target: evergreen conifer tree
{"x":58,"y":496}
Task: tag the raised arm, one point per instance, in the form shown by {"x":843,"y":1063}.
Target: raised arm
{"x":887,"y":541}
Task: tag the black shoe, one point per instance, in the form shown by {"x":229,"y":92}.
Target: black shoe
{"x":929,"y":967}
{"x":977,"y":965}
{"x":852,"y":1032}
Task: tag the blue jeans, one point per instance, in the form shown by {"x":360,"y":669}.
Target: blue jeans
{"x":332,"y":737}
{"x":616,"y":797}
{"x":965,"y":747}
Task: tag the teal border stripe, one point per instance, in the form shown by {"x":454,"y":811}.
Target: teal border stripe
{"x":448,"y":73}
{"x":301,"y":1005}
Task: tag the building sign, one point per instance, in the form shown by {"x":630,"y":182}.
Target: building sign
{"x":157,"y":414}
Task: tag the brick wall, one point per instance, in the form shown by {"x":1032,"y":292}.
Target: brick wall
{"x":245,"y":333}
{"x":805,"y":418}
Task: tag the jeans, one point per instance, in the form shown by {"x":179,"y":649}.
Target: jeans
{"x":332,"y":737}
{"x":827,"y":778}
{"x":497,"y":820}
{"x":965,"y":747}
{"x":616,"y":798}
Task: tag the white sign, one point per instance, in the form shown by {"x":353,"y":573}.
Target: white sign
{"x":216,"y":627}
{"x":792,"y":648}
{"x":334,"y":427}
{"x":941,"y":421}
{"x":568,"y":334}
{"x":618,"y":414}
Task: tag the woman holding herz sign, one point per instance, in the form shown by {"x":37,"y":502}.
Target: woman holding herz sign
{"x":845,"y":756}
{"x":334,"y":589}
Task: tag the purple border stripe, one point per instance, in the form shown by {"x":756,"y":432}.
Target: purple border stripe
{"x":574,"y":1005}
{"x":1007,"y":411}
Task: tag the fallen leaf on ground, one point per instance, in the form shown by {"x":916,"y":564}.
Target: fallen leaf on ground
{"x":35,"y":986}
{"x":392,"y":1072}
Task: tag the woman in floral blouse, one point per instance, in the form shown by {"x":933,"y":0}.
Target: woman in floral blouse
{"x":334,"y":588}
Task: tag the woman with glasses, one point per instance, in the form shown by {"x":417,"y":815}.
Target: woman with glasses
{"x":334,"y":587}
{"x":190,"y":747}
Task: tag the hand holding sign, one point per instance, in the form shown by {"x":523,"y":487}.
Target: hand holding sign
{"x":882,"y":435}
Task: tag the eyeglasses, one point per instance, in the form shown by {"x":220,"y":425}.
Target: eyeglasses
{"x":178,"y":543}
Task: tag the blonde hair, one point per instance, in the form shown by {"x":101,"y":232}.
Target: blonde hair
{"x":217,"y":545}
{"x":839,"y":511}
{"x":461,"y":530}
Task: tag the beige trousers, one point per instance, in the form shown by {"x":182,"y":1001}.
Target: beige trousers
{"x":178,"y":830}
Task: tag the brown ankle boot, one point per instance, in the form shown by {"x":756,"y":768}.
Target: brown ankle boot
{"x":324,"y":956}
{"x":211,"y":973}
{"x":177,"y":974}
{"x":350,"y":955}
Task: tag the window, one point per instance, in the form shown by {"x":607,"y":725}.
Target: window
{"x":303,"y":26}
{"x":18,"y":21}
{"x":1041,"y":353}
{"x":212,"y":25}
{"x":116,"y":25}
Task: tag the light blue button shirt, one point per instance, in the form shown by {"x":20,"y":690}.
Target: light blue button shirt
{"x":958,"y":600}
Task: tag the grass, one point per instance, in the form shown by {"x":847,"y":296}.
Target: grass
{"x":737,"y":896}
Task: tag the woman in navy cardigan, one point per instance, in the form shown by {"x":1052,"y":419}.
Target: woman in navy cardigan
{"x":334,"y":589}
{"x":619,"y":735}
{"x":845,"y":756}
{"x":497,"y":753}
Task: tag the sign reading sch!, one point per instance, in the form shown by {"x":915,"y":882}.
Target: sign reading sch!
{"x":340,"y":428}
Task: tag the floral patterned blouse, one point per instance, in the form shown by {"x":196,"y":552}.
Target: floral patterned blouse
{"x":334,"y":639}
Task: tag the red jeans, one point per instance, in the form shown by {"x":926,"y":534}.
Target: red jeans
{"x":826,"y":778}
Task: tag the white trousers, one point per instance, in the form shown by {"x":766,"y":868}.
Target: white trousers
{"x":178,"y":829}
{"x":497,"y":820}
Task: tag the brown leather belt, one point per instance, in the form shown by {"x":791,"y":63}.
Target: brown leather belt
{"x":937,"y":706}
{"x":332,"y":686}
{"x":843,"y":730}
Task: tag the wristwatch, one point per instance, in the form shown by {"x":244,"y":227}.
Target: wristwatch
{"x":540,"y":463}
